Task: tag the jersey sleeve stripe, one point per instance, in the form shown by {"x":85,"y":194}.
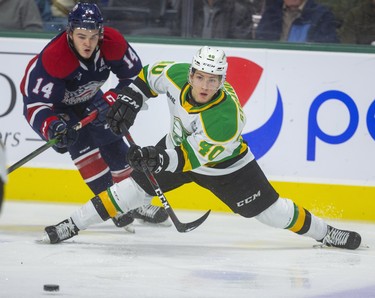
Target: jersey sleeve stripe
{"x":25,"y":82}
{"x":32,"y":112}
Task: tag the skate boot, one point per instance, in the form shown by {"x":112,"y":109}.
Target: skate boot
{"x":151,"y":214}
{"x":124,"y":221}
{"x":60,"y":232}
{"x":341,"y":238}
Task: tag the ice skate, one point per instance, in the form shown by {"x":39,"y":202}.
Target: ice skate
{"x":124,"y":221}
{"x":151,"y":214}
{"x":341,"y":239}
{"x":60,"y":232}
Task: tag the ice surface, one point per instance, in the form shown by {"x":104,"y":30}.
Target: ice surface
{"x":227,"y":256}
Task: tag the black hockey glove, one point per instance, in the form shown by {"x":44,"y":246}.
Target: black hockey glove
{"x":124,"y":110}
{"x":67,"y":136}
{"x":102,"y":106}
{"x":155,"y":158}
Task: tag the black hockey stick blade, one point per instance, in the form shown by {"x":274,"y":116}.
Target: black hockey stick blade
{"x":187,"y":227}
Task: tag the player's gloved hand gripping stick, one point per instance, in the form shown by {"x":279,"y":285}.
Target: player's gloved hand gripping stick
{"x":181,"y":227}
{"x":51,"y":142}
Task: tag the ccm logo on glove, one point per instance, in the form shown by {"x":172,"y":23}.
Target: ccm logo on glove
{"x":124,"y":110}
{"x":129,"y":100}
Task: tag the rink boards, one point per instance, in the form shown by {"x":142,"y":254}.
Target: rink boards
{"x":310,"y":124}
{"x":327,"y":200}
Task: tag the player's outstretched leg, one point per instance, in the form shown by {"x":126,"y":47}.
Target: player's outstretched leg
{"x":120,"y":198}
{"x":341,"y":238}
{"x":60,"y":232}
{"x":285,"y":214}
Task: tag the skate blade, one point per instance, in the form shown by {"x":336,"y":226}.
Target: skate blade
{"x":361,"y":246}
{"x":44,"y":240}
{"x":129,"y":228}
{"x":364,"y":246}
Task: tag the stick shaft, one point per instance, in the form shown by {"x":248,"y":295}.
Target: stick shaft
{"x":181,"y":227}
{"x":50,"y":143}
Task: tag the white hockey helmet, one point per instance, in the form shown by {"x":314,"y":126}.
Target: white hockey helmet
{"x":210,"y":60}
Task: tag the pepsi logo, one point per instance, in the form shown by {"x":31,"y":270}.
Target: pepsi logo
{"x":245,"y":76}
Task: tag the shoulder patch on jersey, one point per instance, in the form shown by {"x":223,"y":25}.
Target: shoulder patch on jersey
{"x":179,"y":72}
{"x":114,"y":45}
{"x":58,"y":58}
{"x":221,"y":121}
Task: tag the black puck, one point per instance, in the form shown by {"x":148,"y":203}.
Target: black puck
{"x":51,"y":288}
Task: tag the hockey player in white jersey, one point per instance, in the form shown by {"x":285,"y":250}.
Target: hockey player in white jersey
{"x":204,"y":145}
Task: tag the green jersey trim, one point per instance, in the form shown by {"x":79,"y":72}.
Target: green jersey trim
{"x":191,"y":161}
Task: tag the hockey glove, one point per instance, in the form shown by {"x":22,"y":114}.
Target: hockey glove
{"x":155,"y":158}
{"x":124,"y":110}
{"x":102,"y":106}
{"x":67,"y":136}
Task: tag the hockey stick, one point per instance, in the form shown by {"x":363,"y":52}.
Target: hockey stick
{"x":181,"y":227}
{"x":51,"y":142}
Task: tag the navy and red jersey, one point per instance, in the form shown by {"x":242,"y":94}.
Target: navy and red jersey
{"x":56,"y":80}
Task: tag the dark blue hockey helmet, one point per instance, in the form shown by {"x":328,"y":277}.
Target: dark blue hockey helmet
{"x":85,"y":16}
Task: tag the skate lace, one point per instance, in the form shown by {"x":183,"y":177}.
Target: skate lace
{"x":336,"y":237}
{"x":65,"y":230}
{"x":149,"y":211}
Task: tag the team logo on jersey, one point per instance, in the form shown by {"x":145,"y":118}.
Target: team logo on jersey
{"x":179,"y":132}
{"x":264,"y":137}
{"x":82,"y":94}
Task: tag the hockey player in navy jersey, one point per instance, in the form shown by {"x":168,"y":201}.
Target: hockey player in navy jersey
{"x":63,"y":84}
{"x":204,"y":145}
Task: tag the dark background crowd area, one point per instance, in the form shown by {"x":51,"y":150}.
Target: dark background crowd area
{"x":316,"y":21}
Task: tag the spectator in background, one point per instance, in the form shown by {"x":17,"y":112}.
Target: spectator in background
{"x":222,"y":19}
{"x":340,"y":8}
{"x":258,"y":9}
{"x":3,"y":172}
{"x":50,"y":22}
{"x":297,"y":21}
{"x":359,"y":25}
{"x":258,"y":5}
{"x":61,"y":8}
{"x":44,"y":7}
{"x":20,"y":15}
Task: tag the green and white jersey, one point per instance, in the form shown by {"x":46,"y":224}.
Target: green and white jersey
{"x":207,"y":137}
